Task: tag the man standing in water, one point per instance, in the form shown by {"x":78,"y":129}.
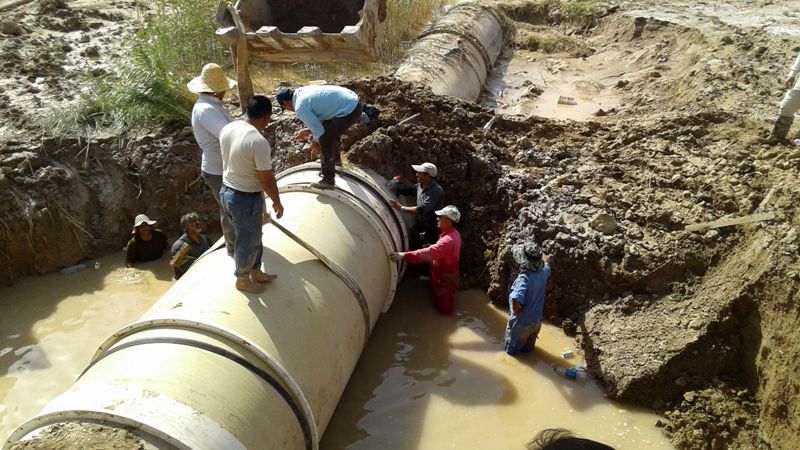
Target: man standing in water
{"x":327,"y":111}
{"x":526,"y":299}
{"x":190,"y":246}
{"x":208,"y":119}
{"x":430,"y":197}
{"x":443,"y":257}
{"x":246,"y":176}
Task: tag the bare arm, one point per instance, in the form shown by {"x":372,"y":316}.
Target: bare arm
{"x":270,"y":186}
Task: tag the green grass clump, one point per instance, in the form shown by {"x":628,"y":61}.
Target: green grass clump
{"x":582,"y":12}
{"x":553,"y":12}
{"x":545,"y":40}
{"x":171,"y":42}
{"x":405,"y":20}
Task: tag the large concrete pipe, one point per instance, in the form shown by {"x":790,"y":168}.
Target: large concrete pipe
{"x":454,"y":56}
{"x":209,"y":367}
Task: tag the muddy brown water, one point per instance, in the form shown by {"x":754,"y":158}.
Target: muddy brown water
{"x":424,"y":381}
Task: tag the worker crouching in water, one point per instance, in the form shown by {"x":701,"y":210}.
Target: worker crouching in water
{"x":443,"y":258}
{"x":526,"y":299}
{"x":146,"y":243}
{"x":190,"y":246}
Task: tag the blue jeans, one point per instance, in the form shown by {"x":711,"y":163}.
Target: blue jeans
{"x":214,"y":183}
{"x":521,"y":338}
{"x":245,"y":213}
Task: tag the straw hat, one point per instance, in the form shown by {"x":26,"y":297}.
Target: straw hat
{"x":140,"y":219}
{"x":211,"y":79}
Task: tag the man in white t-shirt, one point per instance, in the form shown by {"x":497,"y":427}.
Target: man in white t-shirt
{"x":208,"y":119}
{"x":246,"y":176}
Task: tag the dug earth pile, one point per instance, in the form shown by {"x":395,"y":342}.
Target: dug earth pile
{"x":699,"y":325}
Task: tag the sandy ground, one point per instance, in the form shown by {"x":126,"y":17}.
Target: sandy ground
{"x":671,"y":101}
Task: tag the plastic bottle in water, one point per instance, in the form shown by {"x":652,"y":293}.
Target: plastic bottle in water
{"x":73,"y":269}
{"x":393,"y":182}
{"x":573,"y":373}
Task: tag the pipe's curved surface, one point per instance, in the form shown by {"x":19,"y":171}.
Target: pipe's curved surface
{"x":209,"y":367}
{"x":454,"y":56}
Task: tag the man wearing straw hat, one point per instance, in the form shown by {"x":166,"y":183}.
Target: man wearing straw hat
{"x":526,"y":299}
{"x":208,"y":118}
{"x":443,"y":257}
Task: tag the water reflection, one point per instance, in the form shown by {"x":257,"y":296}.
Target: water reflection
{"x":427,"y":381}
{"x":51,"y":325}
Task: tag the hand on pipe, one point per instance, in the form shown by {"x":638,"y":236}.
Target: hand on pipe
{"x":396,"y":256}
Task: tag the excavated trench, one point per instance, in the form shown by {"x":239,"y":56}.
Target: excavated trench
{"x":698,"y":325}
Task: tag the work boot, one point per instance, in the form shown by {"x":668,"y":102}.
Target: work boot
{"x":780,"y":130}
{"x":260,"y":277}
{"x":324,"y":183}
{"x":245,"y":284}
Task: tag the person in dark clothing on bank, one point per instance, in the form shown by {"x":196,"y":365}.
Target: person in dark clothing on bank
{"x":146,"y":244}
{"x":430,"y":198}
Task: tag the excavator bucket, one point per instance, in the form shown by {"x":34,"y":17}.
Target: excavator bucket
{"x":304,"y":30}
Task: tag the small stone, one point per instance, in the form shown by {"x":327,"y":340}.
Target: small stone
{"x":11,"y":28}
{"x":604,"y":223}
{"x":689,"y":396}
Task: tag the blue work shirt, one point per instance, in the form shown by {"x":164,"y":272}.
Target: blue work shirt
{"x":528,"y":289}
{"x":313,"y":104}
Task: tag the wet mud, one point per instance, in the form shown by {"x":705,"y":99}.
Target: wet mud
{"x":697,"y":325}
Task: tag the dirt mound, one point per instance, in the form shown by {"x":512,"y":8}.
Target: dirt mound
{"x":84,"y":436}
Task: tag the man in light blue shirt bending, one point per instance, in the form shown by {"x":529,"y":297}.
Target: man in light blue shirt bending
{"x":327,"y":111}
{"x":526,"y":299}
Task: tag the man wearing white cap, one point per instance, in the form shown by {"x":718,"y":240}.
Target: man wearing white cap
{"x":146,"y":242}
{"x":208,"y":118}
{"x":430,"y":197}
{"x":443,"y":257}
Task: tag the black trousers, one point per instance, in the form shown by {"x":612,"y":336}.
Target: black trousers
{"x":329,"y":142}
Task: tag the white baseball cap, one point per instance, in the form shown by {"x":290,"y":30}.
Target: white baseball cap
{"x":426,"y":167}
{"x":451,"y":212}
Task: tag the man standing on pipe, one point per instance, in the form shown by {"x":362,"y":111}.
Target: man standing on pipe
{"x":443,"y":258}
{"x":208,"y":119}
{"x":246,"y":176}
{"x":430,"y":197}
{"x":327,"y":111}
